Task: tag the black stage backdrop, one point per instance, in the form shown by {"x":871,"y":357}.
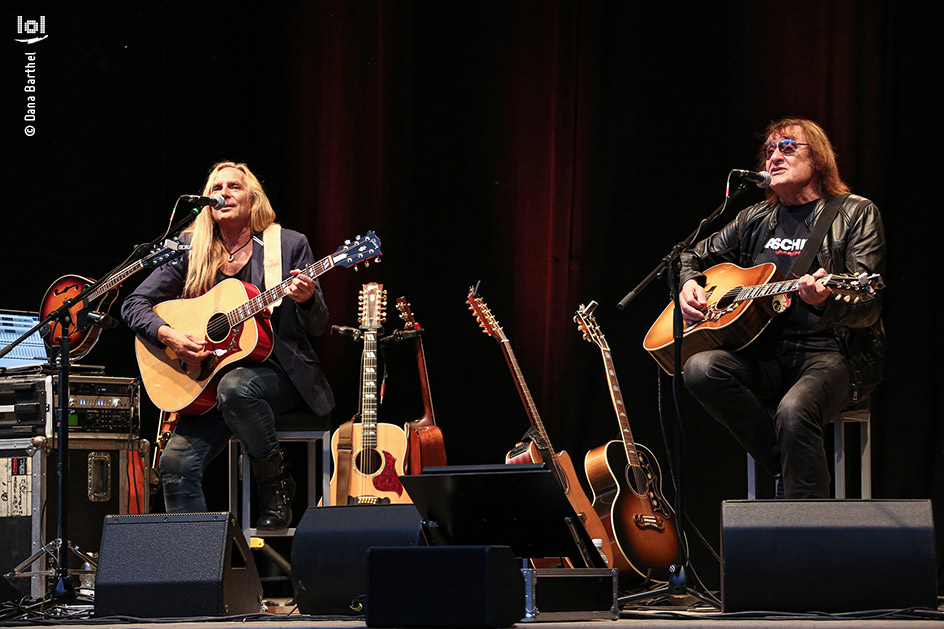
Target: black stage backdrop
{"x":553,"y":150}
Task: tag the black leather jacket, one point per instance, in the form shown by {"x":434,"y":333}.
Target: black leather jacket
{"x":854,"y":243}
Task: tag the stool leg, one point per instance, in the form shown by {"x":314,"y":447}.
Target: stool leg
{"x":839,"y":463}
{"x":751,"y":478}
{"x":326,"y":468}
{"x":865,"y":454}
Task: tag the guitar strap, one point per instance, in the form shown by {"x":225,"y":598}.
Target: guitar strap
{"x":345,"y":449}
{"x":801,"y":265}
{"x":272,"y":260}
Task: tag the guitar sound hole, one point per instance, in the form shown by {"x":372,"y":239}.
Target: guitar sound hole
{"x":368,"y":461}
{"x":217,"y":327}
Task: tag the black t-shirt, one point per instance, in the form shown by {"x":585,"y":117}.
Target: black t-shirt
{"x":785,"y":244}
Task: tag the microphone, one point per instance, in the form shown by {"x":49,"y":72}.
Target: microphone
{"x":762,"y":179}
{"x":215,"y":202}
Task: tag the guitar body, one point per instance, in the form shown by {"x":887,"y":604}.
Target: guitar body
{"x":191,"y":390}
{"x":425,"y":448}
{"x":374,"y":471}
{"x":728,"y":326}
{"x":639,"y":521}
{"x":63,"y":289}
{"x":588,"y":516}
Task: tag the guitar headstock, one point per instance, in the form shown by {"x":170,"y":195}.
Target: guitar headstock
{"x":854,"y":288}
{"x":403,"y":307}
{"x":486,"y":319}
{"x":588,"y":325}
{"x":361,"y":250}
{"x":168,"y":252}
{"x":372,"y":304}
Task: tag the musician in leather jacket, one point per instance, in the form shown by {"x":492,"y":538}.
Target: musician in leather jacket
{"x":821,"y":354}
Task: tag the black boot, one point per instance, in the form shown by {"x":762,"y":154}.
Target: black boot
{"x":276,"y":490}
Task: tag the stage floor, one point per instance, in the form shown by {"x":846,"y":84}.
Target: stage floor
{"x":661,"y":616}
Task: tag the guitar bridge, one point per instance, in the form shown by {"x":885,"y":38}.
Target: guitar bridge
{"x":368,"y":500}
{"x":649,"y":522}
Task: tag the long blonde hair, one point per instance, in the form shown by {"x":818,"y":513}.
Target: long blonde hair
{"x":207,"y":254}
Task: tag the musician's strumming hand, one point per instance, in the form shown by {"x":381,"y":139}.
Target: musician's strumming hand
{"x":302,"y":287}
{"x":813,"y":292}
{"x":692,"y":301}
{"x":186,"y":346}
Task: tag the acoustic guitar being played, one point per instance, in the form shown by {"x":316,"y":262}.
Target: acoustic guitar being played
{"x":741,"y":302}
{"x":232,"y":317}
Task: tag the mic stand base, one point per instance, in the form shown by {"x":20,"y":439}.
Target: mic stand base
{"x":66,"y":585}
{"x":677,"y":586}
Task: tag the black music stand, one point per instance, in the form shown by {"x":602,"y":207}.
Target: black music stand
{"x":521,"y":506}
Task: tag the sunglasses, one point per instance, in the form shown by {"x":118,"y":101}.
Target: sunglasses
{"x":786,"y":146}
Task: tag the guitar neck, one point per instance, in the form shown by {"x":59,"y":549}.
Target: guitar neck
{"x":766,"y":290}
{"x":369,"y":390}
{"x":531,"y":408}
{"x":115,"y":280}
{"x":428,"y":417}
{"x":616,"y":395}
{"x":263,"y":300}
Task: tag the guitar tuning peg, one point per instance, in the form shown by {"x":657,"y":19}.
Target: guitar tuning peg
{"x":347,"y":242}
{"x":838,"y":296}
{"x":377,"y":260}
{"x":366,"y":264}
{"x":856,"y":299}
{"x":847,"y":298}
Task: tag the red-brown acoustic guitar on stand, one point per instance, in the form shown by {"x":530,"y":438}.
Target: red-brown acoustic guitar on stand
{"x":626,"y":484}
{"x":425,"y":447}
{"x":559,"y":462}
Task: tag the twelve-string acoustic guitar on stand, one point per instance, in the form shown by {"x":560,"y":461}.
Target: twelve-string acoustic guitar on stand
{"x":626,"y":482}
{"x":529,"y":452}
{"x":377,"y":449}
{"x":232,"y":317}
{"x":741,"y":302}
{"x":425,"y":445}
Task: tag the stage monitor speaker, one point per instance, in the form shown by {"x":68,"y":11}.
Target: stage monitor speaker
{"x":175,"y":565}
{"x":444,"y":586}
{"x":827,"y":555}
{"x":329,"y":552}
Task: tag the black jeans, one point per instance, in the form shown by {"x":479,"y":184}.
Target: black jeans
{"x":775,"y":400}
{"x":248,"y":399}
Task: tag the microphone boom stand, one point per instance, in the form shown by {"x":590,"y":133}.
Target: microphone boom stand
{"x":65,"y":586}
{"x":670,"y":265}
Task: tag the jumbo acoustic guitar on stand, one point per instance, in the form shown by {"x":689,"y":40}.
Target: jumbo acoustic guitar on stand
{"x":232,"y":317}
{"x":741,"y":302}
{"x":424,"y":438}
{"x":375,"y":459}
{"x":626,"y":483}
{"x":559,"y":462}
